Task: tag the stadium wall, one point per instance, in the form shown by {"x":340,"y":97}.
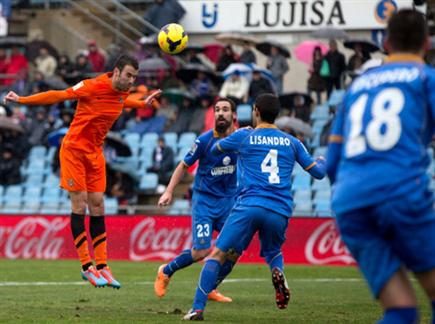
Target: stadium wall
{"x":311,"y":241}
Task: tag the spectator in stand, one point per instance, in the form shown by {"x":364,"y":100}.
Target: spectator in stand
{"x":120,"y":186}
{"x":163,"y":162}
{"x":301,"y":108}
{"x":10,"y":165}
{"x":337,"y":66}
{"x":190,"y":56}
{"x":258,"y":86}
{"x":227,"y":57}
{"x":357,"y":60}
{"x":45,"y":63}
{"x":36,"y":85}
{"x":197,"y":124}
{"x":201,"y":85}
{"x":113,"y":52}
{"x":236,"y":88}
{"x":64,"y":68}
{"x":248,"y":55}
{"x":278,"y":66}
{"x":82,"y":69}
{"x":184,"y":116}
{"x":316,"y":83}
{"x":163,"y":12}
{"x":38,"y":127}
{"x":167,"y":110}
{"x":95,"y":57}
{"x":18,"y":66}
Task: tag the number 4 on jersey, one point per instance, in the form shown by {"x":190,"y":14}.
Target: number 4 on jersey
{"x":270,"y":165}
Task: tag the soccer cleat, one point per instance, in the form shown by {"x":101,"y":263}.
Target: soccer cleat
{"x":282,"y":292}
{"x":217,"y":296}
{"x":192,"y":315}
{"x":93,"y":276}
{"x":106,"y":273}
{"x":161,"y":283}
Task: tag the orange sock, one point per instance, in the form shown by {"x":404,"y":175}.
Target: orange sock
{"x":80,"y":240}
{"x":98,"y":234}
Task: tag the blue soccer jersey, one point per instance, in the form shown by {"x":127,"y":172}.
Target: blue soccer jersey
{"x":216,"y":174}
{"x":385,"y":124}
{"x":266,"y":157}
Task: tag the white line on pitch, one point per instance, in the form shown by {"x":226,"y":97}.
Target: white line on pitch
{"x":78,"y":283}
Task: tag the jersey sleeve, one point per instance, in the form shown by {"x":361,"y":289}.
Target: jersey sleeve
{"x":195,"y":153}
{"x":230,"y":143}
{"x":82,"y":89}
{"x":314,"y":167}
{"x":335,"y":143}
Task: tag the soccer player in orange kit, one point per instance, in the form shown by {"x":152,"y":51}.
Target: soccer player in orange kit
{"x":82,"y":163}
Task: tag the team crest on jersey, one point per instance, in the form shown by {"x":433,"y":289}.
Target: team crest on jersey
{"x":193,"y":148}
{"x":121,"y":100}
{"x":226,"y":160}
{"x":70,"y":182}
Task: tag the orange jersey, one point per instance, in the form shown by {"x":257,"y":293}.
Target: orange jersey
{"x":98,"y":107}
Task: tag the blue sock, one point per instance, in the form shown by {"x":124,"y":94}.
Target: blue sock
{"x":207,"y":282}
{"x":433,"y":311}
{"x":275,"y":261}
{"x":183,"y":260}
{"x":226,"y":268}
{"x":400,"y":316}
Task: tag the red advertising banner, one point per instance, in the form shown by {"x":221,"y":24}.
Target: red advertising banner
{"x":142,"y":238}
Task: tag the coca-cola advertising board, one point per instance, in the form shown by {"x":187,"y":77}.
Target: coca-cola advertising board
{"x":143,"y":238}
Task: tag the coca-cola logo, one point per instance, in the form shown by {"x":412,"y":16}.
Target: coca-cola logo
{"x":325,"y":246}
{"x":148,"y":242}
{"x":33,"y":237}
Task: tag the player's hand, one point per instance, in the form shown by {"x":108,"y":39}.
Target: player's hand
{"x":165,"y":199}
{"x":321,"y":158}
{"x":11,"y":97}
{"x":149,"y":100}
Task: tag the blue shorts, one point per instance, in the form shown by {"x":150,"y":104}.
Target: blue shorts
{"x":209,"y":214}
{"x":383,"y":238}
{"x":242,"y":225}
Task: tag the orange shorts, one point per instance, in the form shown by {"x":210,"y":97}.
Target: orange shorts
{"x":80,"y":171}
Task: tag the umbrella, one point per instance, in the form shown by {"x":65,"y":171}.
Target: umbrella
{"x":177,"y":95}
{"x":116,"y":141}
{"x":212,"y":51}
{"x":12,"y":41}
{"x":304,"y":51}
{"x":288,"y":99}
{"x":329,"y":33}
{"x":197,"y":48}
{"x":246,"y":70}
{"x":236,"y":38}
{"x":264,"y":47}
{"x":370,"y":64}
{"x":190,"y":71}
{"x":112,"y":139}
{"x":8,"y":124}
{"x":295,"y":124}
{"x":152,"y":64}
{"x":366,"y":45}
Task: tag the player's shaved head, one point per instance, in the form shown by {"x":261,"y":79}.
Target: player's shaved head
{"x":267,"y":105}
{"x":407,"y":31}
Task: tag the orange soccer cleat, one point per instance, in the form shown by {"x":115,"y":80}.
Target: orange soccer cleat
{"x":161,"y":283}
{"x":217,"y":296}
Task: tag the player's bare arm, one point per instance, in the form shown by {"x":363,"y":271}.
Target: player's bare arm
{"x":166,"y":197}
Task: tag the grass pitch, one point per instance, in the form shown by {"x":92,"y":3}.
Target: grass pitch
{"x":52,"y":292}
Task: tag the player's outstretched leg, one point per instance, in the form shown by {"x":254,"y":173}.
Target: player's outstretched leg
{"x":223,"y":273}
{"x":161,"y":283}
{"x":94,"y":277}
{"x":282,"y":292}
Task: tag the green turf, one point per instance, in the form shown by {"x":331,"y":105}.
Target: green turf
{"x":313,"y":300}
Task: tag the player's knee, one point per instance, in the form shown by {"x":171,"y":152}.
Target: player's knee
{"x":198,"y":255}
{"x":232,"y":255}
{"x":78,"y":203}
{"x":218,"y":255}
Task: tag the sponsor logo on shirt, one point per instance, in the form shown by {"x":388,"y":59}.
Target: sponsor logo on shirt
{"x":78,"y":86}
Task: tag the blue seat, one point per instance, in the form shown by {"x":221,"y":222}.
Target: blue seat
{"x":322,"y":195}
{"x":111,"y":206}
{"x":51,"y":195}
{"x":149,"y":182}
{"x":133,"y":141}
{"x":336,"y":97}
{"x":149,"y":140}
{"x":320,"y":113}
{"x":186,"y":140}
{"x":320,"y":151}
{"x":301,"y":182}
{"x":244,"y":114}
{"x":37,"y":152}
{"x":34,"y":180}
{"x":297,"y":169}
{"x":36,"y":167}
{"x":321,"y":184}
{"x":30,"y":207}
{"x":180,"y":207}
{"x":302,"y":195}
{"x":171,"y":140}
{"x":303,"y":208}
{"x":13,"y":194}
{"x":50,"y":154}
{"x":50,"y":208}
{"x":11,"y":207}
{"x":51,"y":181}
{"x":32,"y":193}
{"x":181,"y":154}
